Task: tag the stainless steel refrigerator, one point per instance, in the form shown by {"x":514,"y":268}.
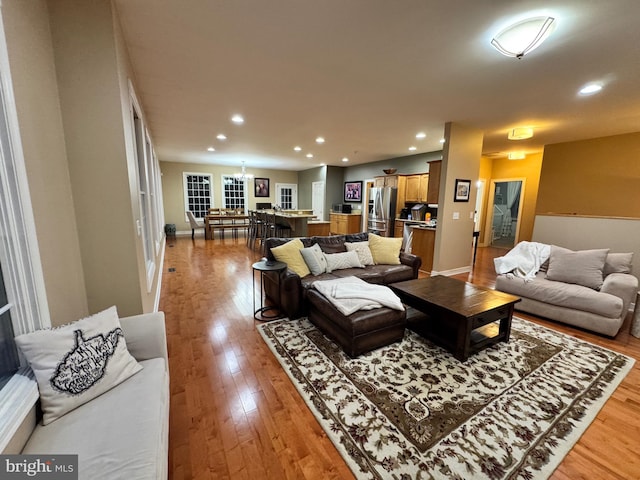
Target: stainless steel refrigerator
{"x":382,"y":210}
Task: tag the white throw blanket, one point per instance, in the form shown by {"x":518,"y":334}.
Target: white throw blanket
{"x":350,"y":294}
{"x":524,"y":260}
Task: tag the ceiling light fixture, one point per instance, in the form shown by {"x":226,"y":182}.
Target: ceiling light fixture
{"x":243,"y":175}
{"x":590,"y":89}
{"x":412,"y":148}
{"x":221,"y":136}
{"x":522,"y":37}
{"x":520,"y":133}
{"x":319,"y":140}
{"x":309,"y":155}
{"x":237,"y":119}
{"x":516,"y":155}
{"x":211,"y":149}
{"x":297,"y":148}
{"x":345,"y":159}
{"x":442,"y":140}
{"x":420,"y":135}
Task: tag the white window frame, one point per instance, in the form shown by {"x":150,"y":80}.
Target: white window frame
{"x":20,"y":256}
{"x":245,"y":196}
{"x":186,"y":195}
{"x":294,"y":197}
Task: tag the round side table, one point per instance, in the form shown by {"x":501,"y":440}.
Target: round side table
{"x":265,"y":267}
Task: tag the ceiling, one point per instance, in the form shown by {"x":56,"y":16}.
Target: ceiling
{"x":367,"y":75}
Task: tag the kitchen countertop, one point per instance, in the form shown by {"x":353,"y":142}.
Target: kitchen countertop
{"x":421,"y":224}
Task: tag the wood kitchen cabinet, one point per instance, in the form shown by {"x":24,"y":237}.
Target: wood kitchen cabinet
{"x":424,"y":241}
{"x":399,"y":229}
{"x":386,"y":181}
{"x":433,"y":191}
{"x":343,"y":223}
{"x":416,"y":189}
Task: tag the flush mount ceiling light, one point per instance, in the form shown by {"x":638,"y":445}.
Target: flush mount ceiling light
{"x":590,"y":89}
{"x":520,"y":133}
{"x":243,"y":175}
{"x":420,"y":135}
{"x":211,"y":149}
{"x":237,"y":119}
{"x":516,"y":155}
{"x":297,"y":148}
{"x":412,"y":148}
{"x":345,"y":159}
{"x":522,"y":37}
{"x":221,"y":136}
{"x":320,"y":140}
{"x":309,"y":155}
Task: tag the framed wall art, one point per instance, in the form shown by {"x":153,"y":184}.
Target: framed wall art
{"x":262,"y":187}
{"x":352,"y":191}
{"x":463,"y":189}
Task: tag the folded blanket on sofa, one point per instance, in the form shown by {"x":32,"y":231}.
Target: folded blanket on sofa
{"x":524,"y":260}
{"x":350,"y":294}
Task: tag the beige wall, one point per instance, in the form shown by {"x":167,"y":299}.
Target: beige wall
{"x":71,"y":74}
{"x":39,"y":116}
{"x":172,"y":187}
{"x":460,"y":160}
{"x":600,"y":177}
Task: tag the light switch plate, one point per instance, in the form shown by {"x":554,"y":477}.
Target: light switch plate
{"x":456,"y":215}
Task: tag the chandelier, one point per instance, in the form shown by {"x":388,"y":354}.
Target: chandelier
{"x":243,"y":175}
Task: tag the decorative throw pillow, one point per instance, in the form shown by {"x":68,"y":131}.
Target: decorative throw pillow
{"x":582,"y":268}
{"x":77,"y":362}
{"x":289,"y":253}
{"x":314,"y":258}
{"x":339,"y":261}
{"x":385,"y":250}
{"x":617,"y":263}
{"x":363,"y":251}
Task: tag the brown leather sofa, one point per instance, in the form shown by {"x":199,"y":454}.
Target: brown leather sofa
{"x":292,"y":289}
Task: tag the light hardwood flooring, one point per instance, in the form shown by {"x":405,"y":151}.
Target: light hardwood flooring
{"x":235,"y":413}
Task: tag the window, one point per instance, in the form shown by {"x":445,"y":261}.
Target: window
{"x":197,"y":193}
{"x":234,"y":195}
{"x":287,"y":195}
{"x":24,"y":305}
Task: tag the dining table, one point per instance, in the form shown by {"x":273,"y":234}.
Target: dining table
{"x":223,"y":222}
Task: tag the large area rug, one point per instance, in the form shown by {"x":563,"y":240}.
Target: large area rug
{"x":412,"y":411}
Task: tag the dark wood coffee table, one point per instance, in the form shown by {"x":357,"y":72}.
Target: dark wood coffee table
{"x":456,"y":315}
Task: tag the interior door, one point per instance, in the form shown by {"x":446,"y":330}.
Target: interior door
{"x":317,"y":199}
{"x":506,"y":211}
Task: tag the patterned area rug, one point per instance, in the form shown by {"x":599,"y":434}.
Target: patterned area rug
{"x":412,"y":411}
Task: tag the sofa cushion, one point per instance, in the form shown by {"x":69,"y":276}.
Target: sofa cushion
{"x":77,"y":362}
{"x":582,"y":268}
{"x":340,"y":261}
{"x":363,"y":251}
{"x":385,"y":250}
{"x":331,"y":243}
{"x":562,"y":294}
{"x":617,"y":263}
{"x":120,"y":434}
{"x":289,"y":253}
{"x":314,"y":258}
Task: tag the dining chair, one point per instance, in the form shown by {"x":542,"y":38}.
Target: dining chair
{"x":193,"y":221}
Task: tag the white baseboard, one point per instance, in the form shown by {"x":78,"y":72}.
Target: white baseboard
{"x":454,"y":271}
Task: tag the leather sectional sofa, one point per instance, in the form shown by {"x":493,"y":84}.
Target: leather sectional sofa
{"x":290,"y":293}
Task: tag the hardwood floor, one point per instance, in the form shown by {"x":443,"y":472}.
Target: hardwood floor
{"x":235,"y":413}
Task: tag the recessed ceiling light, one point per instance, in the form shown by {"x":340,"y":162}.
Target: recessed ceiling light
{"x":211,"y":149}
{"x":442,"y":140}
{"x":590,"y":89}
{"x":297,"y":148}
{"x":237,"y":119}
{"x":520,"y":133}
{"x":309,"y":155}
{"x":420,"y":135}
{"x":320,"y":140}
{"x":221,"y":136}
{"x":412,"y":148}
{"x":345,"y":159}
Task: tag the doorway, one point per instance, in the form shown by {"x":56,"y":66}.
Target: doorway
{"x":506,"y":197}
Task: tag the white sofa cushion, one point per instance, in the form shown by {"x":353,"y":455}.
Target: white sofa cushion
{"x":562,"y":294}
{"x":121,"y":434}
{"x":77,"y":362}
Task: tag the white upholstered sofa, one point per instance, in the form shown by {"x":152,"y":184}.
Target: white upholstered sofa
{"x":123,"y":433}
{"x":590,"y":289}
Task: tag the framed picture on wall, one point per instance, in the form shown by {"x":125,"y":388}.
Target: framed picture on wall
{"x":262,"y":187}
{"x":352,"y":191}
{"x":463,"y":189}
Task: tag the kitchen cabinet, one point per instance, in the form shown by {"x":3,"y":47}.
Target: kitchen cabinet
{"x":416,"y":189}
{"x":386,"y":181}
{"x":424,"y":241}
{"x":318,"y":229}
{"x":343,"y":223}
{"x":399,"y":229}
{"x":433,"y":191}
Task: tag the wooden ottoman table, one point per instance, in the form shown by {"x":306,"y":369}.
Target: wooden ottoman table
{"x":359,"y":332}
